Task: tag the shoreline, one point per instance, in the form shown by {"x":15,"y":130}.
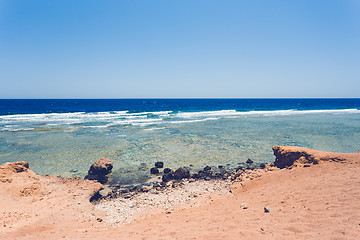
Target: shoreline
{"x":36,"y":206}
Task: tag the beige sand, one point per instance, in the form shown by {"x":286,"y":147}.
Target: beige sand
{"x":317,"y":202}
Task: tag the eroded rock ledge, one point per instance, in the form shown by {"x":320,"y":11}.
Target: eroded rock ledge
{"x":287,"y":156}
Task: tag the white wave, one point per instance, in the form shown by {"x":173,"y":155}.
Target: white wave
{"x":193,"y":121}
{"x":110,"y":119}
{"x":18,"y":129}
{"x":206,"y":113}
{"x":155,"y":128}
{"x":234,"y":113}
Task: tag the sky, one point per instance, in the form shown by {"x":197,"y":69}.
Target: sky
{"x":179,"y":49}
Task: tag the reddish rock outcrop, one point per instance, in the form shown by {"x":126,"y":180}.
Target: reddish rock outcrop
{"x":99,"y":170}
{"x":288,"y":155}
{"x":15,"y":167}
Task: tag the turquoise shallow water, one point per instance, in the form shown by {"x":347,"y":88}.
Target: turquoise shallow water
{"x":66,"y":144}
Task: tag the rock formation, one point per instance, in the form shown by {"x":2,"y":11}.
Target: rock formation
{"x":15,"y":166}
{"x":99,"y":170}
{"x":287,"y":156}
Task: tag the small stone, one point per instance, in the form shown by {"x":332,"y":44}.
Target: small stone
{"x":168,"y":170}
{"x":306,"y":165}
{"x":159,"y":164}
{"x":195,"y":176}
{"x":220,"y":167}
{"x":193,"y":195}
{"x":207,"y":178}
{"x":154,"y":170}
{"x":267,"y":209}
{"x":181,"y":173}
{"x":244,"y":206}
{"x":167,"y":177}
{"x":207,"y":168}
{"x":262,"y":165}
{"x":249,"y":161}
{"x":99,"y":219}
{"x":192,"y":180}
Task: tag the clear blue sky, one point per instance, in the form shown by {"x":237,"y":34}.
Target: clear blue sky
{"x":179,"y":48}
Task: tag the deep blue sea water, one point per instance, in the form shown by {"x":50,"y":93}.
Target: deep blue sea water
{"x":64,"y":136}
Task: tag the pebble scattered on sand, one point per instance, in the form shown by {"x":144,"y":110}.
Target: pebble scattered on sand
{"x":125,"y":210}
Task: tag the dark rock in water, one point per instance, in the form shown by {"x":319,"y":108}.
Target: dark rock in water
{"x":168,"y":170}
{"x":181,"y":173}
{"x":167,"y":177}
{"x":154,"y":170}
{"x":99,"y":170}
{"x":220,"y":167}
{"x":159,"y":164}
{"x":207,"y":168}
{"x":249,"y":161}
{"x":101,"y":167}
{"x":262,"y":165}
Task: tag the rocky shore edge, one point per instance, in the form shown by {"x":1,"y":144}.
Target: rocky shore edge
{"x":165,"y":178}
{"x":123,"y":205}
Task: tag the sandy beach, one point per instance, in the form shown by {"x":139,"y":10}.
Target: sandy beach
{"x":308,"y":194}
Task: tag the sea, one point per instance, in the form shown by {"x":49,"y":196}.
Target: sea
{"x":63,"y":137}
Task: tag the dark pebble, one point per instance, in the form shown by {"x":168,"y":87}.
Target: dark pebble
{"x":262,"y":165}
{"x":167,"y":177}
{"x":220,"y":167}
{"x":207,"y":168}
{"x":249,"y":161}
{"x":154,"y":170}
{"x":159,"y":164}
{"x":195,"y":176}
{"x":168,"y":170}
{"x":181,"y":173}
